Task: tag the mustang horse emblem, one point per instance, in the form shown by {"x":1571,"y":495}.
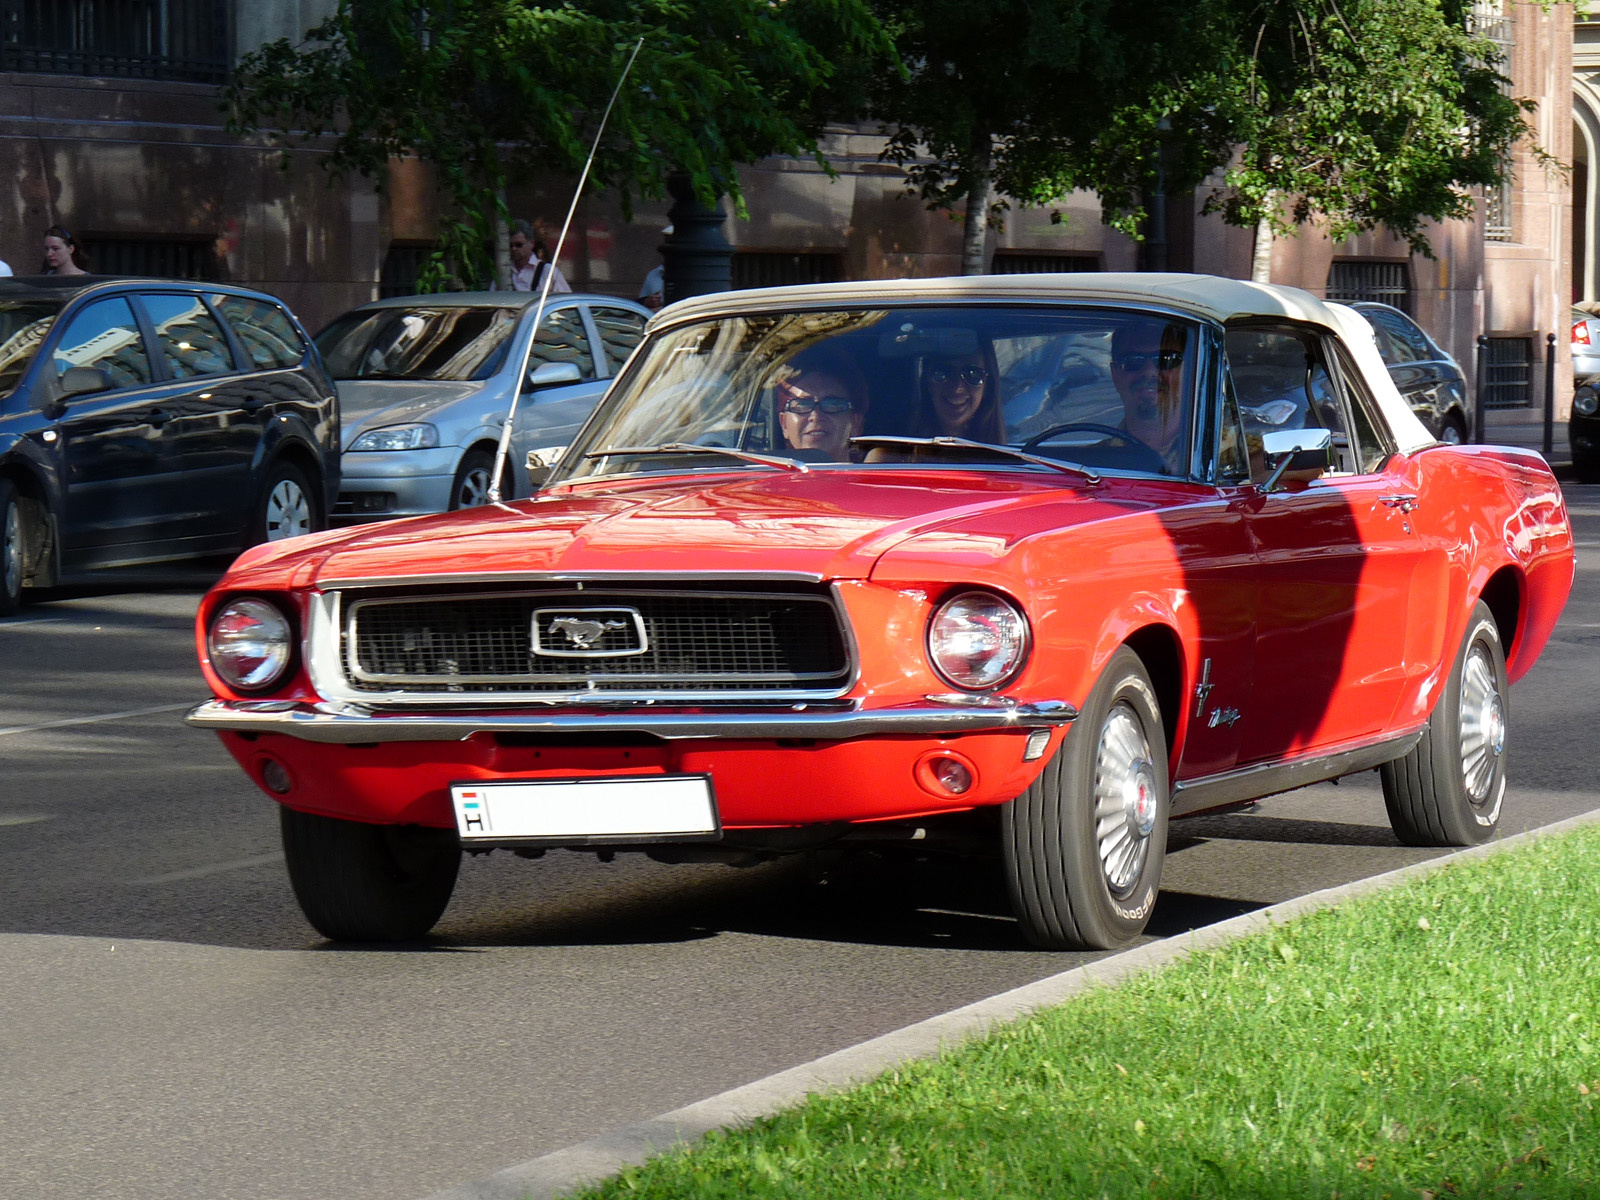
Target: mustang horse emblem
{"x":584,"y":634}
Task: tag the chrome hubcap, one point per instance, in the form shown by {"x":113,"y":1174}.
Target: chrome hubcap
{"x":1450,"y":435}
{"x":288,"y":511}
{"x":474,"y":488}
{"x":1483,"y":725}
{"x":1126,"y":800}
{"x":11,"y":553}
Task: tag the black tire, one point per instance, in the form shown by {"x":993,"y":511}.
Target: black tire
{"x":1449,"y":789}
{"x":286,"y":506}
{"x":1586,"y":467}
{"x":13,"y":548}
{"x":1065,"y":893}
{"x":471,"y":486}
{"x":369,"y":883}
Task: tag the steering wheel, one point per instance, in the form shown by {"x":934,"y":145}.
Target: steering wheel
{"x":1150,"y":456}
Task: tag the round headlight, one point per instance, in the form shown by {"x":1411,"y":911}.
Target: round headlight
{"x":250,"y":643}
{"x":1586,"y":401}
{"x":977,"y":641}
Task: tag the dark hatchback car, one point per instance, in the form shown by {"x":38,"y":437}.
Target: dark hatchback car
{"x":1583,"y":430}
{"x":1431,"y":381}
{"x":145,"y":422}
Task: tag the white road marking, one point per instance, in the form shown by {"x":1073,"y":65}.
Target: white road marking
{"x":238,"y":864}
{"x":116,"y":716}
{"x":23,"y":818}
{"x":29,"y":621}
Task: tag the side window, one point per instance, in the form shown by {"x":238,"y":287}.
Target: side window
{"x":1233,"y":455}
{"x":562,"y":339}
{"x":1282,"y":381}
{"x":105,"y":337}
{"x":1369,"y":437}
{"x":191,"y":342}
{"x":1407,"y":340}
{"x":620,"y":331}
{"x":268,"y":336}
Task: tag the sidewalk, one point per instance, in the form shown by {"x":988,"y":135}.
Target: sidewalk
{"x":1525,"y":427}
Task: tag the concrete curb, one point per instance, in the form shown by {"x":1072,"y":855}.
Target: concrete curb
{"x":589,"y":1162}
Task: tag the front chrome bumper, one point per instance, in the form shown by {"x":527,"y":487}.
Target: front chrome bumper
{"x":345,"y":724}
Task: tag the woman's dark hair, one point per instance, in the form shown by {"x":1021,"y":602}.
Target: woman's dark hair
{"x":79,"y":258}
{"x":987,"y":424}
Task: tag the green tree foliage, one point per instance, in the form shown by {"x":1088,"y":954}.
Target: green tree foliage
{"x":1356,"y":113}
{"x":1352,"y":112}
{"x":487,"y":91}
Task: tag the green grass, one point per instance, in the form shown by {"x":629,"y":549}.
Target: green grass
{"x":1439,"y":1039}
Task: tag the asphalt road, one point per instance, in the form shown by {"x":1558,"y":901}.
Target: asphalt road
{"x":171,"y":1029}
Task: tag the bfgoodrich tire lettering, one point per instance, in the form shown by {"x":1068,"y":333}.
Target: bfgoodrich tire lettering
{"x":1084,"y":845}
{"x":369,"y":883}
{"x":1449,"y":790}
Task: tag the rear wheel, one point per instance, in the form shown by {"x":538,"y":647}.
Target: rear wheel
{"x":13,"y":548}
{"x":287,"y":506}
{"x":1453,"y":430}
{"x":369,"y":883}
{"x":1084,"y":845}
{"x":1449,"y":789}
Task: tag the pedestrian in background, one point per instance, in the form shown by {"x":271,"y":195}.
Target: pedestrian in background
{"x":653,"y":291}
{"x":530,"y":260}
{"x":61,"y":254}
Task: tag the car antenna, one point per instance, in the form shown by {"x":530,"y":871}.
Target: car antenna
{"x":504,"y":446}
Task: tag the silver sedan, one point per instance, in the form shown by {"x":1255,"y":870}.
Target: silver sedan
{"x":425,"y":383}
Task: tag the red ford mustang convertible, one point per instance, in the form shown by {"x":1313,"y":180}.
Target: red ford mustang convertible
{"x":1055,"y":558}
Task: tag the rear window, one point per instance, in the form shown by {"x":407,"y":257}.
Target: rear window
{"x":269,"y":337}
{"x":23,"y":325}
{"x":424,"y":342}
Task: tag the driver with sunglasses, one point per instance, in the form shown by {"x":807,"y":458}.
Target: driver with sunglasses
{"x":821,"y":406}
{"x":1147,"y":371}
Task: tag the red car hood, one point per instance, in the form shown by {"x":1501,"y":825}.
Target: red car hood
{"x":833,"y":525}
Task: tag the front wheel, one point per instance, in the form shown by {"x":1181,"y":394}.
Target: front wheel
{"x":369,"y":883}
{"x":471,"y":486}
{"x":1449,"y":789}
{"x":1084,"y":845}
{"x":13,"y":548}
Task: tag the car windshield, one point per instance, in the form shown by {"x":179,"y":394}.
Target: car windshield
{"x":23,"y":324}
{"x":1103,"y":388}
{"x":435,"y":342}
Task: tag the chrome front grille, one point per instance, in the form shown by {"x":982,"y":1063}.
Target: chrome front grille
{"x":592,"y":640}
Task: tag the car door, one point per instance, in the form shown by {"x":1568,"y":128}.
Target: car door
{"x":117,"y":467}
{"x":549,"y":416}
{"x":217,"y":414}
{"x":1336,"y":557}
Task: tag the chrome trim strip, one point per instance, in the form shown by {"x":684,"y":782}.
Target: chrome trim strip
{"x":444,"y":579}
{"x":346,"y":724}
{"x":328,"y":636}
{"x":1268,"y":779}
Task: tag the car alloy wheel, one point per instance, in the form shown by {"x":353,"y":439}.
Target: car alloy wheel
{"x":288,"y":511}
{"x":1124,"y":800}
{"x":473,"y":491}
{"x":1482,"y":723}
{"x":13,"y":549}
{"x":1449,"y":434}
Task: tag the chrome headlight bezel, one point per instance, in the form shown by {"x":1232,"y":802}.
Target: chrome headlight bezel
{"x":965,"y":614}
{"x":385,"y":439}
{"x":250,"y":621}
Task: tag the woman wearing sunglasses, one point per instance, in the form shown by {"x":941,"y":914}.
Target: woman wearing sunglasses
{"x":822,"y":404}
{"x":960,"y":397}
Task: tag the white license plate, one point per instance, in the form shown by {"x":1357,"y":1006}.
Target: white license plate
{"x":650,"y":808}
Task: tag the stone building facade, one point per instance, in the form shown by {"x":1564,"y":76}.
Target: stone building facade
{"x":121,"y":140}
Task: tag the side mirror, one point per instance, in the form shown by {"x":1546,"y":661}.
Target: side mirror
{"x":79,"y":381}
{"x":553,"y":374}
{"x":1306,"y":453}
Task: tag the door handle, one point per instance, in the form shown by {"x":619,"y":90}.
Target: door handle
{"x":158,"y":416}
{"x":1404,"y":501}
{"x":251,"y":404}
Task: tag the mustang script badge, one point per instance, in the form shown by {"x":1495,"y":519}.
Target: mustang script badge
{"x":588,"y":632}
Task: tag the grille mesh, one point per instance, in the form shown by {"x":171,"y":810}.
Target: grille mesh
{"x":695,"y":642}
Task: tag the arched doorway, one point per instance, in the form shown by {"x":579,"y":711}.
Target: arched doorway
{"x":1585,"y":186}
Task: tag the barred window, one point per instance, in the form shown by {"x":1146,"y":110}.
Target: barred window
{"x":1385,"y":282}
{"x":759,"y":268}
{"x":1010,"y":262}
{"x":140,"y":39}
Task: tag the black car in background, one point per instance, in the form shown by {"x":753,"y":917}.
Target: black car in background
{"x":1431,"y":381}
{"x":1583,"y":430}
{"x":146,"y":422}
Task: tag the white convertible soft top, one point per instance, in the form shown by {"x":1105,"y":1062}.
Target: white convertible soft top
{"x":1205,"y":296}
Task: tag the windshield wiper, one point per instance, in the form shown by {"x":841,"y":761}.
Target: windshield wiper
{"x":955,"y":443}
{"x":766,"y":460}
